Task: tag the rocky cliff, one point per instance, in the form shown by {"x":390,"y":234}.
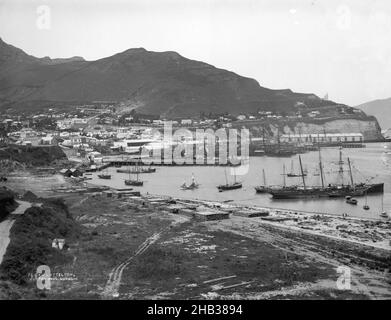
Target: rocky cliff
{"x":368,"y":126}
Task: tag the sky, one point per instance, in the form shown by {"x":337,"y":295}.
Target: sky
{"x":342,"y":48}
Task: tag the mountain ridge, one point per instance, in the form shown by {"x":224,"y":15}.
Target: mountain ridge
{"x":161,"y":83}
{"x":381,"y":109}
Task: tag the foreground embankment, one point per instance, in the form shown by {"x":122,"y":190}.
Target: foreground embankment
{"x":7,"y":202}
{"x":121,"y":246}
{"x":141,"y":247}
{"x":31,"y":234}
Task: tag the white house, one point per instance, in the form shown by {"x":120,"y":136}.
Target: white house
{"x":48,"y":140}
{"x":95,"y":157}
{"x":186,"y":122}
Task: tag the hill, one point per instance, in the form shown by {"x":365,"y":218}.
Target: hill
{"x":159,"y":83}
{"x":381,"y":109}
{"x":32,"y":155}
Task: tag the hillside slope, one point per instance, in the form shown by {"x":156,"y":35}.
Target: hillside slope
{"x":381,"y":109}
{"x":160,"y":83}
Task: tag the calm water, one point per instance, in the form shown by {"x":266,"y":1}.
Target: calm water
{"x":372,"y":161}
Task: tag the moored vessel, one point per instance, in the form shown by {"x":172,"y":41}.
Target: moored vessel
{"x":263,"y":188}
{"x":331,"y":190}
{"x":193,"y":185}
{"x":229,"y":186}
{"x":134,"y":182}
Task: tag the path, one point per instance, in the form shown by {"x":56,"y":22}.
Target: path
{"x":23,"y":206}
{"x":5,"y":228}
{"x":6,"y":225}
{"x":115,"y":276}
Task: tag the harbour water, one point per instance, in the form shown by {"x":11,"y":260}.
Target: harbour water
{"x":372,"y":164}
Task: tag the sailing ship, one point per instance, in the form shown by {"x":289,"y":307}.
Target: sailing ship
{"x":229,"y":186}
{"x":263,"y":188}
{"x":134,"y":182}
{"x":296,"y":192}
{"x":193,"y":185}
{"x":369,"y":187}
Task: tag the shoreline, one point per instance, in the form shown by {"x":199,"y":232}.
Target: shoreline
{"x":287,"y":216}
{"x":300,"y":220}
{"x":125,"y":235}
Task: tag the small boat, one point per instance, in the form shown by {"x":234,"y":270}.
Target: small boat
{"x":384,"y":214}
{"x":366,"y":207}
{"x":193,"y":185}
{"x":350,"y":200}
{"x":148,"y":170}
{"x":232,"y":186}
{"x":229,"y":186}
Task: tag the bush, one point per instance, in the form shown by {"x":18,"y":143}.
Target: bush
{"x":31,"y":240}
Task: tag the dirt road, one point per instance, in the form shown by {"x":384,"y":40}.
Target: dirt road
{"x":6,"y":225}
{"x":114,"y":282}
{"x":5,"y":228}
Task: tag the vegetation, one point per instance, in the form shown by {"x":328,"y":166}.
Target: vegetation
{"x":159,"y":263}
{"x":31,"y":241}
{"x":34,"y":156}
{"x":7,"y":202}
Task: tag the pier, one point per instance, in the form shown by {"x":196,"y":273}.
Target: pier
{"x":133,"y":161}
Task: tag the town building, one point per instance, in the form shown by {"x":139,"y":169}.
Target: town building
{"x":322,"y":138}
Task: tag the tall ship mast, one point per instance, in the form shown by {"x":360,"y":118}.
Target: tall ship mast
{"x":263,"y":188}
{"x":331,"y":190}
{"x":229,"y":186}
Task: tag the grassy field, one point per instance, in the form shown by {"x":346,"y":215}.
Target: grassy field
{"x":125,"y":249}
{"x":221,"y":259}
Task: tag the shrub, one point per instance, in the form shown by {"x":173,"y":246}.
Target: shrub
{"x":31,"y":240}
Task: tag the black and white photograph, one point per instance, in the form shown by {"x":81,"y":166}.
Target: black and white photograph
{"x":218,"y":151}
